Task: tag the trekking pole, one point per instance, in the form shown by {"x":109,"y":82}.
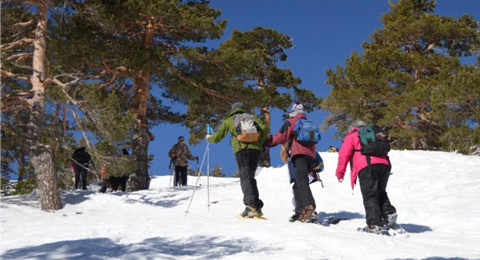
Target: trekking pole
{"x":172,"y":183}
{"x":210,"y":132}
{"x":208,"y":178}
{"x":171,"y":173}
{"x":198,"y":178}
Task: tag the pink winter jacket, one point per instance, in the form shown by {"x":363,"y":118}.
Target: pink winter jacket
{"x":357,"y":160}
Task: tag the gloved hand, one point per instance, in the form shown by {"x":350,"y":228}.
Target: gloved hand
{"x":268,"y":141}
{"x":340,"y":180}
{"x":196,"y":158}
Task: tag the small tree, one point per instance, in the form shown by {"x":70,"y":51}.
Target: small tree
{"x":217,"y":171}
{"x":236,"y":174}
{"x":192,"y":172}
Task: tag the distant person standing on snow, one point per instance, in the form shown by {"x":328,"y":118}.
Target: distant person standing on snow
{"x":81,"y":159}
{"x":180,"y":154}
{"x":332,"y":149}
{"x":248,"y":134}
{"x":373,"y":179}
{"x":116,"y":174}
{"x":302,"y":157}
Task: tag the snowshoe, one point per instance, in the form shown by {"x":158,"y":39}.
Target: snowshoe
{"x":397,"y":230}
{"x":374,"y":229}
{"x":327,"y":221}
{"x":251,"y":212}
{"x":394,"y":229}
{"x":306,"y":215}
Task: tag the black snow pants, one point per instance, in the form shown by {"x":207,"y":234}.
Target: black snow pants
{"x":80,"y":174}
{"x":373,"y":184}
{"x":247,"y":162}
{"x":301,"y":188}
{"x":180,"y":176}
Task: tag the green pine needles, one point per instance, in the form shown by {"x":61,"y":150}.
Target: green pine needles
{"x":412,"y":79}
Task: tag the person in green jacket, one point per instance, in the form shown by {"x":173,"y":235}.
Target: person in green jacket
{"x":247,"y":155}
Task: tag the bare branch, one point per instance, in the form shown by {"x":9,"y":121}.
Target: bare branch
{"x":24,"y":24}
{"x":16,"y":101}
{"x":17,"y":44}
{"x":72,"y":82}
{"x":20,"y":57}
{"x":15,"y":76}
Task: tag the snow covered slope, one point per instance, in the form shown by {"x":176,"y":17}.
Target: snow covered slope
{"x":436,"y":194}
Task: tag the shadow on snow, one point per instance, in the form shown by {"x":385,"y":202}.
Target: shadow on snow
{"x":343,"y":215}
{"x":413,"y":228}
{"x":199,"y":247}
{"x":33,"y":199}
{"x":160,"y":202}
{"x":434,"y":258}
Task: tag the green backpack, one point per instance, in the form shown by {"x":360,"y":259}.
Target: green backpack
{"x":374,"y":140}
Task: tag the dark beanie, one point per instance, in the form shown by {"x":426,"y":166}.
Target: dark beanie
{"x":237,"y":105}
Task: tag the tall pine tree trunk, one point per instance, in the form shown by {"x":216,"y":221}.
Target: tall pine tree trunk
{"x":265,"y":156}
{"x":41,"y":154}
{"x":141,"y":135}
{"x":140,"y":180}
{"x":265,"y":116}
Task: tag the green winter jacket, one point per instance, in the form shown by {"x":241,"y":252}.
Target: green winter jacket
{"x":228,"y":127}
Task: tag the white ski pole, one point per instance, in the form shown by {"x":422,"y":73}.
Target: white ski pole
{"x":198,"y":178}
{"x":208,"y":178}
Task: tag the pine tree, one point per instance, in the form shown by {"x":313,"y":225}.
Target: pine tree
{"x":405,"y":79}
{"x":217,"y":171}
{"x":25,"y":48}
{"x":246,"y":68}
{"x":265,"y":47}
{"x":136,"y":45}
{"x":73,"y":103}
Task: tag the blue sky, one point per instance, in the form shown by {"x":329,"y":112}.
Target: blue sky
{"x":324,"y":34}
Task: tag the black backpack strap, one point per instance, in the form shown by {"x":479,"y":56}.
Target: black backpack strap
{"x":369,"y":164}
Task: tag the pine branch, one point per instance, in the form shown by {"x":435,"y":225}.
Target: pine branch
{"x":63,"y":87}
{"x":209,"y":92}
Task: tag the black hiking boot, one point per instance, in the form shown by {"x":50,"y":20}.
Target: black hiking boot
{"x":294,"y":217}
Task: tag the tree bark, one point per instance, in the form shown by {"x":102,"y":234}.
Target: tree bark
{"x":141,"y":135}
{"x":265,"y":155}
{"x":141,"y":138}
{"x":40,"y":154}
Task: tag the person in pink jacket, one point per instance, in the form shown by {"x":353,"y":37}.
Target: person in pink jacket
{"x":373,"y":180}
{"x":303,"y":157}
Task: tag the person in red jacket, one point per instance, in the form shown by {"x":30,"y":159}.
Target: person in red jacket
{"x":302,"y":157}
{"x":373,"y":180}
